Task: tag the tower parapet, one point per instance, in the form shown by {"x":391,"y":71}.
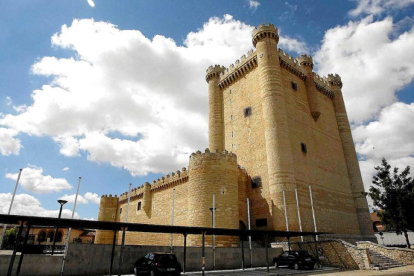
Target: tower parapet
{"x":213,"y":173}
{"x":265,"y":31}
{"x":305,"y":60}
{"x":214,"y":71}
{"x":334,"y":80}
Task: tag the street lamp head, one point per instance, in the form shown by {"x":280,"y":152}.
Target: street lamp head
{"x":62,"y":202}
{"x":211,"y":209}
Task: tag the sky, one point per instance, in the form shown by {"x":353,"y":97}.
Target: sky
{"x":114,"y":91}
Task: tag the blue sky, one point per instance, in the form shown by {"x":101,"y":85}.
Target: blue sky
{"x":115,"y":93}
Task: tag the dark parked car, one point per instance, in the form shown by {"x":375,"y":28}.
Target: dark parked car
{"x":155,"y":264}
{"x":296,"y":259}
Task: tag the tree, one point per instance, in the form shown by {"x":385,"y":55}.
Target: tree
{"x":9,"y":238}
{"x":393,"y":194}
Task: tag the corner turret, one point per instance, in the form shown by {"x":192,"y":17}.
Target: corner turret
{"x":107,"y":212}
{"x":216,"y":108}
{"x":214,"y":71}
{"x":305,"y":60}
{"x":213,"y":173}
{"x":307,"y":63}
{"x":265,"y":31}
{"x":335,"y":80}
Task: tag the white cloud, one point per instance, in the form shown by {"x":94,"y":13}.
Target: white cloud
{"x":32,"y":179}
{"x":91,"y":3}
{"x":88,"y":218}
{"x":20,"y":108}
{"x":69,"y":146}
{"x":9,"y":100}
{"x":289,"y":13}
{"x":71,"y":199}
{"x":28,"y":205}
{"x":292,"y":44}
{"x":375,"y":60}
{"x":373,"y":67}
{"x":390,"y":136}
{"x":150,"y":91}
{"x":254,"y":4}
{"x":65,"y":169}
{"x":95,"y":198}
{"x":9,"y":144}
{"x":376,"y":7}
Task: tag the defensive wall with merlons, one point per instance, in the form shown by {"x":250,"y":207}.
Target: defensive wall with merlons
{"x":289,"y":129}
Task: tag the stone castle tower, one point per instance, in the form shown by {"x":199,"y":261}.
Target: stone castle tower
{"x":288,"y":128}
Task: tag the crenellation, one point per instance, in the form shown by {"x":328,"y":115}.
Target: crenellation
{"x":239,"y":69}
{"x":291,"y":64}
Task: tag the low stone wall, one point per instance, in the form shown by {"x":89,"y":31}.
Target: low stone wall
{"x":94,"y":259}
{"x":402,"y":255}
{"x":336,"y":253}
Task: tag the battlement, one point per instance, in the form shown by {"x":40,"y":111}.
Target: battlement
{"x":334,"y":80}
{"x":242,"y":66}
{"x":305,"y":60}
{"x":225,"y":155}
{"x":214,"y":71}
{"x":164,"y":181}
{"x":109,"y":196}
{"x":291,"y":64}
{"x":263,"y":31}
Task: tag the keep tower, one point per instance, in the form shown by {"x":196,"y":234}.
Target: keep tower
{"x":281,"y":172}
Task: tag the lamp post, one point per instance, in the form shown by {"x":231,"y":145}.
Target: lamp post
{"x":61,"y":202}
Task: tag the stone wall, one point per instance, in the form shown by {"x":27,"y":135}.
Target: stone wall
{"x":402,"y":255}
{"x":93,"y":259}
{"x":336,"y":253}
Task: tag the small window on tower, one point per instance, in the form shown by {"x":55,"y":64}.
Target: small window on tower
{"x":256,"y":182}
{"x":294,"y":86}
{"x":247,"y":111}
{"x":232,"y":134}
{"x":139,"y":206}
{"x":120,"y":211}
{"x":261,"y":222}
{"x":304,"y":148}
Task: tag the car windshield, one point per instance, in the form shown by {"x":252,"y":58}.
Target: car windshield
{"x":166,"y":258}
{"x":301,"y":253}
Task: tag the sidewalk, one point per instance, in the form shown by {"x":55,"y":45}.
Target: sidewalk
{"x":404,"y":270}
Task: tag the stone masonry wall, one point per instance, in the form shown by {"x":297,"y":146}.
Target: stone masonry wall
{"x":402,"y":255}
{"x":324,"y":166}
{"x":93,"y":259}
{"x":336,"y":253}
{"x":209,"y":173}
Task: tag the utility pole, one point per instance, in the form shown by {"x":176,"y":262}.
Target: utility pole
{"x":11,"y":204}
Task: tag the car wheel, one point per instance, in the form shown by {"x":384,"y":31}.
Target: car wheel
{"x":311,"y":267}
{"x":296,"y":266}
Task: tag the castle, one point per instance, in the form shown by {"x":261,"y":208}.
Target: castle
{"x":274,"y":126}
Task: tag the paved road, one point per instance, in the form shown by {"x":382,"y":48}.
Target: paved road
{"x":273,"y":271}
{"x":261,"y":271}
